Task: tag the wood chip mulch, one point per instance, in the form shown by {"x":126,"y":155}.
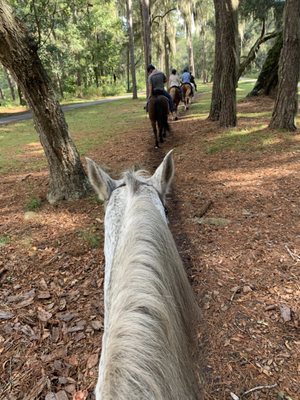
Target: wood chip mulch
{"x":235,"y":218}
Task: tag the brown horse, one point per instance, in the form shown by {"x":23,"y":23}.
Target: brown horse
{"x":187,"y":95}
{"x":176,"y":97}
{"x":158,"y":108}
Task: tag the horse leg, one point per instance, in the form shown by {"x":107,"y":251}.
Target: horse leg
{"x":153,"y":123}
{"x":161,"y":132}
{"x":176,"y":112}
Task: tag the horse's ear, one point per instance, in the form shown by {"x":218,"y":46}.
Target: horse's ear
{"x":164,"y":174}
{"x":100,"y":180}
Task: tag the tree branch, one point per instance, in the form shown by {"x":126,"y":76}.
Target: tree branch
{"x":253,"y":51}
{"x":162,"y":16}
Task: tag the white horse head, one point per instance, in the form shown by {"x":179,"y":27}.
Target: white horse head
{"x":149,"y":303}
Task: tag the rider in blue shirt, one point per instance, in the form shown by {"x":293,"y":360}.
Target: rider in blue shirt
{"x":186,"y":76}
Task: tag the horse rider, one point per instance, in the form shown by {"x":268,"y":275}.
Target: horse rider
{"x":156,"y":84}
{"x":188,"y":78}
{"x":193,"y":81}
{"x":174,"y":81}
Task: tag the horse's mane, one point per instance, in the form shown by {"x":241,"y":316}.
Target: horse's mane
{"x":150,"y":328}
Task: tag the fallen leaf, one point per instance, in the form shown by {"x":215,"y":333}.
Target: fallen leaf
{"x":247,"y":289}
{"x":6,"y":315}
{"x":73,"y":360}
{"x":66,"y":317}
{"x":62,"y":304}
{"x":271,"y":307}
{"x":70,"y":388}
{"x":55,"y":334}
{"x":96,"y":325}
{"x":56,"y":354}
{"x":285,"y":312}
{"x":21,"y":297}
{"x":50,"y":396}
{"x":75,"y":328}
{"x":27,"y":330}
{"x":43,"y":284}
{"x":92,"y":361}
{"x":24,"y":303}
{"x":80,"y":336}
{"x":81,"y":395}
{"x":61,"y":395}
{"x":43,"y":315}
{"x":44,"y":295}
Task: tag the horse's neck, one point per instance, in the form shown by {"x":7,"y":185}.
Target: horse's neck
{"x":119,"y":224}
{"x":149,"y":298}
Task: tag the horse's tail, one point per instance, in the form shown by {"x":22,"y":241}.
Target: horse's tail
{"x":161,"y":112}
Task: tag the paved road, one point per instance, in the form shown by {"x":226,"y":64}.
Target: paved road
{"x":28,"y":114}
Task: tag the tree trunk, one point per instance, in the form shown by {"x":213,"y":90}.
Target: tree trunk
{"x":21,"y":97}
{"x":145,"y":11}
{"x":167,"y":50}
{"x":204,"y":62}
{"x":18,"y":53}
{"x":1,"y":94}
{"x":128,"y":68}
{"x":131,"y":48}
{"x":96,"y":75}
{"x":215,"y":105}
{"x":286,"y":104}
{"x":190,"y":48}
{"x":10,"y":84}
{"x":267,"y":80}
{"x":60,"y":86}
{"x":229,"y":52}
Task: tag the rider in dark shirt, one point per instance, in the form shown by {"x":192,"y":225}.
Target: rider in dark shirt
{"x":193,"y":81}
{"x":156,"y":83}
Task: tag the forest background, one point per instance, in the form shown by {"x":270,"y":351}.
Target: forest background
{"x":85,"y":45}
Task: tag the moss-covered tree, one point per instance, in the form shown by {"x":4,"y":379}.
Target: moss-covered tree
{"x":215,"y":105}
{"x":18,"y":53}
{"x":229,"y":51}
{"x":267,"y":80}
{"x":286,"y":104}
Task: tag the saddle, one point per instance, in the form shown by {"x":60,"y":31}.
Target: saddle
{"x":191,"y":85}
{"x":158,"y":92}
{"x":187,"y":83}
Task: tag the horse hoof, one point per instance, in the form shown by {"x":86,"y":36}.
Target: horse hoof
{"x":176,"y":119}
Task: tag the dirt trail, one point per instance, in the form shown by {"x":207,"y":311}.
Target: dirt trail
{"x":242,"y":260}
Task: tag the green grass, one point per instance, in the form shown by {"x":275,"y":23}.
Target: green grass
{"x":201,"y":108}
{"x":90,"y":237}
{"x":92,"y":126}
{"x":33,"y":204}
{"x":239,"y":140}
{"x":4,"y":239}
{"x":89,"y":127}
{"x":253,"y":139}
{"x":244,"y":87}
{"x":95,"y":125}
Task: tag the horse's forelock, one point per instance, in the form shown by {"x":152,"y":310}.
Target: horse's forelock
{"x":134,"y":179}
